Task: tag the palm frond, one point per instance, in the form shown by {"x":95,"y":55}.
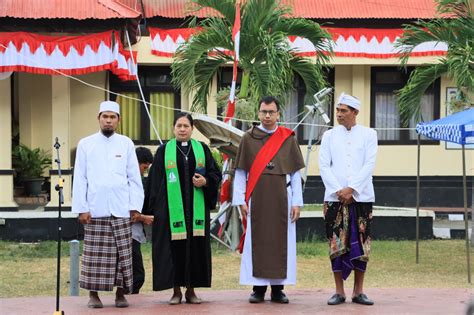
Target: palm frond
{"x":454,"y":27}
{"x":190,"y":60}
{"x":422,"y":32}
{"x":257,"y":16}
{"x":259,"y":78}
{"x":460,"y":63}
{"x":266,"y":58}
{"x":261,"y":14}
{"x":206,"y":69}
{"x":454,"y":8}
{"x":409,"y":97}
{"x":320,"y":38}
{"x":312,"y":75}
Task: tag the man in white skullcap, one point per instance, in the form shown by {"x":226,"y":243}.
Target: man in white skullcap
{"x":346,"y":162}
{"x":107,"y":192}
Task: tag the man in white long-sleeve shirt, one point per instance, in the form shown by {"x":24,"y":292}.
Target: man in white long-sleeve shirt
{"x":346,"y":162}
{"x":267,"y":187}
{"x":107,"y":192}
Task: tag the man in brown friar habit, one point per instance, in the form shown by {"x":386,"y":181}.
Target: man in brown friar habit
{"x":267,"y":187}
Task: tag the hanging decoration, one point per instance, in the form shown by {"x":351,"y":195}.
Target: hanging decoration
{"x":71,"y":55}
{"x":348,"y":42}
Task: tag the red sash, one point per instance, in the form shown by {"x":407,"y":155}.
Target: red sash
{"x":264,"y":156}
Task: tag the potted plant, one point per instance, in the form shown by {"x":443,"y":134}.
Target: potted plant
{"x":29,"y":165}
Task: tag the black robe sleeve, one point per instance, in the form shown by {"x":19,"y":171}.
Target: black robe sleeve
{"x":213,"y":178}
{"x":155,"y":182}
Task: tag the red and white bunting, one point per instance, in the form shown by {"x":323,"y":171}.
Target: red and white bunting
{"x":348,"y":42}
{"x":71,"y":55}
{"x":126,"y":67}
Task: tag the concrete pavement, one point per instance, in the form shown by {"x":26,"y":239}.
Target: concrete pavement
{"x":387,"y":301}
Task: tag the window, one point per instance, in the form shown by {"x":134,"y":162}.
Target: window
{"x":385,"y":81}
{"x":293,"y":111}
{"x":159,"y":92}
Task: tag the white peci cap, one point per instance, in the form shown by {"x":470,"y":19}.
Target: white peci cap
{"x":109,"y":106}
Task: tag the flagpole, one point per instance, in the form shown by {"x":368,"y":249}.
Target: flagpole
{"x":226,"y":196}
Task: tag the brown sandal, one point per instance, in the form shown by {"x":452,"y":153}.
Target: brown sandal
{"x":175,"y":299}
{"x":192,"y":299}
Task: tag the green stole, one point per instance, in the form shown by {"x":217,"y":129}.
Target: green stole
{"x":175,"y":200}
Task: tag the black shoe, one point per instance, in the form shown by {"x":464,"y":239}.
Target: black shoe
{"x":336,"y":299}
{"x":280,"y":297}
{"x":362,"y":299}
{"x":256,"y":297}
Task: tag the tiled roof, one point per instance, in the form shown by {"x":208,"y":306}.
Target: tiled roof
{"x":364,"y":9}
{"x":66,"y":9}
{"x":322,"y":9}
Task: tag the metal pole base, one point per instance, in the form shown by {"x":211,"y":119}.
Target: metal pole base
{"x":232,"y":232}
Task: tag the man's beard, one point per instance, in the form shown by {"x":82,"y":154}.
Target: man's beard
{"x":107,"y":132}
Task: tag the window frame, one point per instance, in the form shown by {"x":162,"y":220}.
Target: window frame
{"x":118,"y":86}
{"x":392,"y":87}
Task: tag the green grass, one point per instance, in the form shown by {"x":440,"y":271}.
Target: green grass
{"x":307,"y":207}
{"x":313,"y":207}
{"x":30,"y":269}
{"x":10,"y":251}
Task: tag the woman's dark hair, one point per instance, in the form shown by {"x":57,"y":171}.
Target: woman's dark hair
{"x":183,"y":114}
{"x":268,"y":100}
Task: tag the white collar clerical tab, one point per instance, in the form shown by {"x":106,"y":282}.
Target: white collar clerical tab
{"x":184,"y":144}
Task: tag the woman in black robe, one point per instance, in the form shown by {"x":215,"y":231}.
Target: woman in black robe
{"x":181,"y":263}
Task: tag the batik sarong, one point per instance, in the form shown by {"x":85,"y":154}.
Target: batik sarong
{"x":107,"y":255}
{"x":348,"y":232}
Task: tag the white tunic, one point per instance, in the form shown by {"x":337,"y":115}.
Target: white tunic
{"x":295,"y":198}
{"x":347,"y":159}
{"x":107,"y":178}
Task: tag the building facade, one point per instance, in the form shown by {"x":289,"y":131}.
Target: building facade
{"x":38,"y":106}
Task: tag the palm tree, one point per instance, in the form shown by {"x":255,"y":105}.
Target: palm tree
{"x":455,"y":27}
{"x":267,"y":62}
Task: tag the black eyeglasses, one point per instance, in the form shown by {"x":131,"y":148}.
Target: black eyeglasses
{"x":268,"y":112}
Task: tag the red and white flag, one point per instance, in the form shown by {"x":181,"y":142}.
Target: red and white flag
{"x":225,"y":188}
{"x":236,"y":39}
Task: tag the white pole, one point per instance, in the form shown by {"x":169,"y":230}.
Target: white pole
{"x":74,"y":268}
{"x":466,"y":226}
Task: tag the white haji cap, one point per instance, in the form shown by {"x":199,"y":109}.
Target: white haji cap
{"x":351,"y":101}
{"x":109,"y":106}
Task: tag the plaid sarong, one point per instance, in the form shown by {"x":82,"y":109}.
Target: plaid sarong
{"x":107,"y":255}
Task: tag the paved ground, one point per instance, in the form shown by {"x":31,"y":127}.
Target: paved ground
{"x":387,"y":301}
